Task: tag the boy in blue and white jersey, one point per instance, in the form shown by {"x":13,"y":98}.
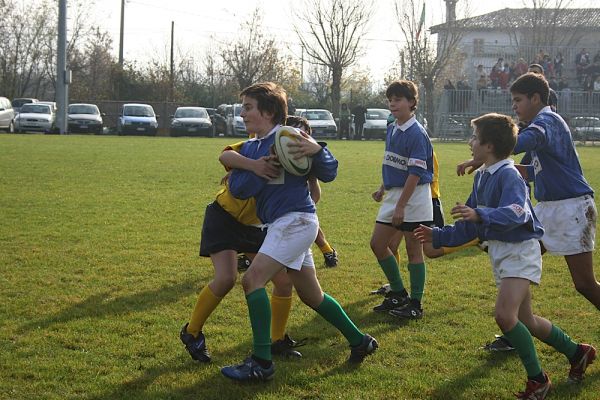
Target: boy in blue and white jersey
{"x":499,"y":210}
{"x":566,"y":204}
{"x":284,"y":203}
{"x":406,"y":193}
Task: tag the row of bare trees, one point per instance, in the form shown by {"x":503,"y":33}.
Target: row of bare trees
{"x":330,"y":31}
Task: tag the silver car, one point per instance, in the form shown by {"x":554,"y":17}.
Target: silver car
{"x":35,"y":117}
{"x":7,"y":115}
{"x":84,"y":118}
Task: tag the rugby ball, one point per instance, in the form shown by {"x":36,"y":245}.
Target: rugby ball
{"x":283,"y":136}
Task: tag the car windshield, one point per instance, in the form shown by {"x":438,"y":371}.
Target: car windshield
{"x":317,"y":115}
{"x":83,"y":109}
{"x":20,"y":102}
{"x":377,"y":114}
{"x":138,"y":111}
{"x":237,"y":110}
{"x":191,"y":113}
{"x":33,"y":108}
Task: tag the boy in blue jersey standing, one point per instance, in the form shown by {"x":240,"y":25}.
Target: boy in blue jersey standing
{"x":499,"y":210}
{"x":284,"y":203}
{"x":406,"y":201}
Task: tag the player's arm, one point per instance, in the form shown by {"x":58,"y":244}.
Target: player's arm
{"x":244,"y":184}
{"x":324,"y":164}
{"x":531,"y":138}
{"x":378,"y":194}
{"x":264,"y":167}
{"x":314,"y":188}
{"x":407,"y":192}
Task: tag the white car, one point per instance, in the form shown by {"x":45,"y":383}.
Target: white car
{"x":36,"y":117}
{"x":321,"y":123}
{"x":137,"y":119}
{"x":375,"y":126}
{"x":235,"y":122}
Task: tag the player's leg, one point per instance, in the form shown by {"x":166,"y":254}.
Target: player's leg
{"x":310,"y":292}
{"x":417,"y":274}
{"x":380,"y":239}
{"x":281,"y":304}
{"x":581,"y":267}
{"x":329,"y":253}
{"x":394,"y":246}
{"x":512,"y":293}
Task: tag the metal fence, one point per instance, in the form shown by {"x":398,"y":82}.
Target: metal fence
{"x":456,"y":108}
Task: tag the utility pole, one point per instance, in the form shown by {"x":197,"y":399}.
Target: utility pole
{"x":121,"y":35}
{"x":63,"y":77}
{"x":172,"y":62}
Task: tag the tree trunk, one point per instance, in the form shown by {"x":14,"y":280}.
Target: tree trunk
{"x":429,"y":105}
{"x":336,"y":85}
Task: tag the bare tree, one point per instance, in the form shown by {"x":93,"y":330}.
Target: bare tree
{"x":254,"y":57}
{"x":422,"y":59}
{"x":335,"y":30}
{"x":542,"y":24}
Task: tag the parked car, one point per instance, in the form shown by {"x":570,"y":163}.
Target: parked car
{"x":51,"y":104}
{"x":7,"y":115}
{"x":218,"y":120}
{"x":35,"y":117}
{"x":137,"y":119}
{"x":585,"y":128}
{"x":18,"y":103}
{"x":191,"y":121}
{"x":321,"y":123}
{"x":84,"y":118}
{"x":235,"y":123}
{"x":375,"y":126}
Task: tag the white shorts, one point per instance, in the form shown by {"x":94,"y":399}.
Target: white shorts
{"x":418,"y":209}
{"x":516,"y":260}
{"x":569,"y":225}
{"x":289,"y":239}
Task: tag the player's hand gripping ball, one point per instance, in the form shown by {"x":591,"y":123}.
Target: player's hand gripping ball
{"x":296,"y":166}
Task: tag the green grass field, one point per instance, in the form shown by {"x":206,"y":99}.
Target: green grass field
{"x":99,"y":270}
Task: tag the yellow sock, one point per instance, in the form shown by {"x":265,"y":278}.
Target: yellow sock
{"x":326,"y":248}
{"x":449,"y":250}
{"x":280,"y":312}
{"x":397,"y":256}
{"x":205,"y":305}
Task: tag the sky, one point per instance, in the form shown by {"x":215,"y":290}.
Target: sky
{"x":202,"y":24}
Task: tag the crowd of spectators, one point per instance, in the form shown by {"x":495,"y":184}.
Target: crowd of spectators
{"x":501,"y":75}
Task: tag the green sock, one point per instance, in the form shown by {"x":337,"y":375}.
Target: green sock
{"x":259,"y":310}
{"x":521,"y":339}
{"x":417,"y":280}
{"x":561,"y":342}
{"x":392,"y":273}
{"x":336,"y":316}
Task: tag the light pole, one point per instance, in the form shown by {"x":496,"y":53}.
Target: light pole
{"x":63,"y":77}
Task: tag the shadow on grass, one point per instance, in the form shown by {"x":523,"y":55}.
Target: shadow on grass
{"x":105,"y":304}
{"x":567,"y":390}
{"x":451,"y":388}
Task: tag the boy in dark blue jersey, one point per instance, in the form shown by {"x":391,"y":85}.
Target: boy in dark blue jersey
{"x":284,"y":203}
{"x":406,"y":201}
{"x":499,"y":210}
{"x":566,"y":204}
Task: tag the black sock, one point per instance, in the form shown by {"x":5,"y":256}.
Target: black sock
{"x":541,"y":378}
{"x":415,"y":303}
{"x":262,"y":362}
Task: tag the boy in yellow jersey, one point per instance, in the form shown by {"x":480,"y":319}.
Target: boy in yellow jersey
{"x":231,"y":226}
{"x":329,"y":253}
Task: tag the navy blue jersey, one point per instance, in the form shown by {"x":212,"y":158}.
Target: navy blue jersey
{"x":408,"y":151}
{"x":500,"y":198}
{"x":555,"y":167}
{"x":284,"y":194}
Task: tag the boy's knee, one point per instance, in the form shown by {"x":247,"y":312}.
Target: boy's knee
{"x":505,"y":321}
